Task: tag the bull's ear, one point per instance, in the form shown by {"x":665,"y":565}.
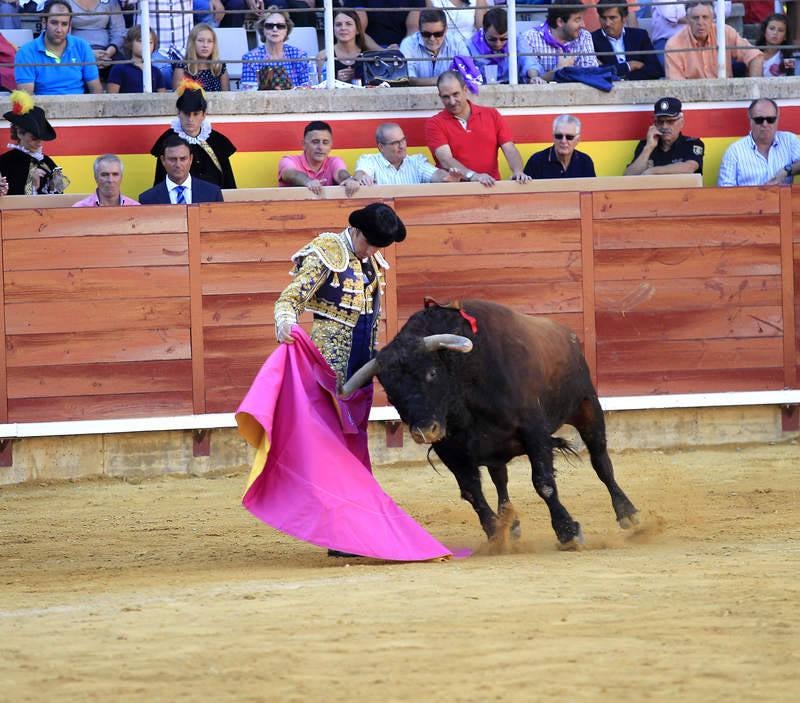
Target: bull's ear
{"x":451,"y":342}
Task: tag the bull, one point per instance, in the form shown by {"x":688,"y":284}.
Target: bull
{"x":483,"y":384}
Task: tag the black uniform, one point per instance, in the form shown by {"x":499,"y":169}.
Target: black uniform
{"x":203,"y":166}
{"x":15,"y":166}
{"x":684,"y":149}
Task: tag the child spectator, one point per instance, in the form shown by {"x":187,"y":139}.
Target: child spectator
{"x":129,"y":77}
{"x":202,"y":61}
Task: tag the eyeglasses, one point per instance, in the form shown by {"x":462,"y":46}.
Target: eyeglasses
{"x":761,"y":120}
{"x":569,"y":137}
{"x":396,"y":142}
{"x":428,"y":35}
{"x":274,"y":25}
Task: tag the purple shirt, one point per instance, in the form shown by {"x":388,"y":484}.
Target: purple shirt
{"x":92,"y":201}
{"x":325,"y":175}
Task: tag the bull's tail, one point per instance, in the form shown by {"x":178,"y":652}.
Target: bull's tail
{"x":567,"y":450}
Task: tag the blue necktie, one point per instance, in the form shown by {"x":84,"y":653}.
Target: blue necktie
{"x":179,"y":197}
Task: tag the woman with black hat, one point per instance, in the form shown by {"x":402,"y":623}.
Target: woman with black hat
{"x":24,"y":165}
{"x":211,"y":151}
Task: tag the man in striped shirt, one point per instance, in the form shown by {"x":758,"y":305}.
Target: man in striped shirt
{"x":393,"y":166}
{"x":766,"y":156}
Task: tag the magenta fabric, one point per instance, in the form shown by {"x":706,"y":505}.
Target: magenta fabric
{"x":317,"y":484}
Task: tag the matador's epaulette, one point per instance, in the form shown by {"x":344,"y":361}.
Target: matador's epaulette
{"x":330,"y":248}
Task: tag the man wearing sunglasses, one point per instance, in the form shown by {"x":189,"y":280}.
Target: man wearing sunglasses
{"x":766,"y":156}
{"x":562,"y":160}
{"x":430,"y":51}
{"x":665,"y":149}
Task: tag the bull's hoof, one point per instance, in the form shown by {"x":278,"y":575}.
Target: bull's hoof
{"x":516,"y":530}
{"x":575,"y":544}
{"x":628,"y":521}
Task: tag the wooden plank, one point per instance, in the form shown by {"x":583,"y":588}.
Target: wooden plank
{"x":587,"y":286}
{"x":196,"y":303}
{"x":97,"y":222}
{"x":732,"y":323}
{"x":100,"y":379}
{"x":96,"y":284}
{"x":236,"y":342}
{"x":85,"y":252}
{"x":684,"y":231}
{"x":253,"y":245}
{"x":467,"y":268}
{"x":243,"y":309}
{"x":488,"y":208}
{"x":720,"y":380}
{"x":788,"y":311}
{"x":687,"y":293}
{"x":245,"y":277}
{"x":99,"y":316}
{"x":97,"y":347}
{"x":3,"y":360}
{"x":689,"y":202}
{"x":100,"y":407}
{"x":658,"y":264}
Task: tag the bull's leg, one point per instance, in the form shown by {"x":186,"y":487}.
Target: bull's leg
{"x":499,"y":474}
{"x":540,"y":453}
{"x":591,"y":426}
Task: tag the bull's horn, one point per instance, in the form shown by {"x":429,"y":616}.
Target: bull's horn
{"x":360,"y":377}
{"x":451,"y":342}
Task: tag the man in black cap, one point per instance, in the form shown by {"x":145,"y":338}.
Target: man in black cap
{"x":665,"y":149}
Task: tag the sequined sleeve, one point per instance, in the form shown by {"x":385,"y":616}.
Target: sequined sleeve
{"x":308,"y":277}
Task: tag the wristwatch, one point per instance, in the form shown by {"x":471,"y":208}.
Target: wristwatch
{"x":469,"y":174}
{"x":788,"y":169}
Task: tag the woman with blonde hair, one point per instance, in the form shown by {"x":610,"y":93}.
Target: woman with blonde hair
{"x":202,"y":62}
{"x":274,"y":29}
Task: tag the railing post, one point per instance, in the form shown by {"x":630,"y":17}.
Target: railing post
{"x":787,"y":288}
{"x":196,"y":309}
{"x":513,"y":75}
{"x":722,"y":62}
{"x":330,"y":81}
{"x":587,"y":282}
{"x":147,"y":62}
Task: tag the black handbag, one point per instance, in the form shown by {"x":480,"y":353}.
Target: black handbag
{"x":385,"y":66}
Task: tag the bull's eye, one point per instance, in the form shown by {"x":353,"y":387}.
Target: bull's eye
{"x":431,"y":375}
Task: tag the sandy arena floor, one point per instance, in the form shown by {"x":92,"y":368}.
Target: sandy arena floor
{"x":167,"y":590}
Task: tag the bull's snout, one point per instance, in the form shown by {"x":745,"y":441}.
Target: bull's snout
{"x":428,"y":434}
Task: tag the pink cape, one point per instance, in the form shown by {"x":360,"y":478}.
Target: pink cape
{"x":312,"y":477}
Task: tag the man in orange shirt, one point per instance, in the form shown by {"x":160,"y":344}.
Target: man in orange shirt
{"x":700,"y":35}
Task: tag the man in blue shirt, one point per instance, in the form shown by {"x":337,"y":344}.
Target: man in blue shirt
{"x":433,"y":47}
{"x":562,"y":160}
{"x":70,"y":62}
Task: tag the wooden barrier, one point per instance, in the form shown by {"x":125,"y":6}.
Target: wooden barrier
{"x":167,"y":310}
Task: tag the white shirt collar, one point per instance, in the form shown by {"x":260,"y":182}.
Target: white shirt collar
{"x":187,"y":184}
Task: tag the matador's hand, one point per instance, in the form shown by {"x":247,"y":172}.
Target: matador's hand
{"x":283,"y":332}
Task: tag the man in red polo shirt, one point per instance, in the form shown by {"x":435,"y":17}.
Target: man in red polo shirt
{"x":465,"y":136}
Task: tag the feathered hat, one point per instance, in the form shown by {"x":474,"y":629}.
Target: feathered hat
{"x":191,"y":97}
{"x":25,"y":115}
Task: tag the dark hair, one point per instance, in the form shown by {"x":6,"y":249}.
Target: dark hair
{"x":762,"y":100}
{"x":49,"y":4}
{"x":432,"y":14}
{"x":603,"y":5}
{"x":560,"y":12}
{"x":497,"y":18}
{"x":135,"y":34}
{"x":787,"y":40}
{"x":171,"y":141}
{"x":317,"y":126}
{"x":361,"y":42}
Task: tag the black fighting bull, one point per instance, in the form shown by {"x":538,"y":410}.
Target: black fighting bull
{"x":484,"y":384}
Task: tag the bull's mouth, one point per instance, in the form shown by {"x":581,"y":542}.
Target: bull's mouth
{"x":427,"y":434}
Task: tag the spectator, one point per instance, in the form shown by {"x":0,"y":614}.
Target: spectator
{"x":172,"y":21}
{"x":202,"y":61}
{"x":7,"y":53}
{"x":211,"y":151}
{"x":667,"y":20}
{"x":561,"y":41}
{"x":626,"y":43}
{"x":101,"y":24}
{"x":591,"y":20}
{"x":388,"y":28}
{"x":757,"y":11}
{"x":562,"y":160}
{"x":465,"y":137}
{"x":463,"y":17}
{"x":26,"y":168}
{"x":179,"y":187}
{"x":11,"y":20}
{"x":774,"y":35}
{"x":108,"y":177}
{"x":766,"y":156}
{"x":665,"y":149}
{"x":210,"y":12}
{"x":66,"y":63}
{"x":493,"y":39}
{"x":695,"y":47}
{"x":129,"y":77}
{"x":349,"y":45}
{"x":393,"y":166}
{"x":315,"y":168}
{"x":432,"y":46}
{"x":273,"y":30}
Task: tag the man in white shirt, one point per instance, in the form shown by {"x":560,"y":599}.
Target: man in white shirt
{"x":765,"y":156}
{"x":393,"y":166}
{"x":179,"y":188}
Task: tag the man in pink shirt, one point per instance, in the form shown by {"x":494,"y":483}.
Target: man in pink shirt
{"x":314,"y":168}
{"x":108,"y":177}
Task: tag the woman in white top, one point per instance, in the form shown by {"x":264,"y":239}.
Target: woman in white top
{"x":774,"y":35}
{"x":463,"y":16}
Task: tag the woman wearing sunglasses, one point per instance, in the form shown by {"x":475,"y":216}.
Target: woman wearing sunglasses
{"x":562,"y":160}
{"x":273,"y":30}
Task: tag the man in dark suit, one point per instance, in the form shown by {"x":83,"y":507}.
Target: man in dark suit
{"x":179,"y":188}
{"x":621,"y":45}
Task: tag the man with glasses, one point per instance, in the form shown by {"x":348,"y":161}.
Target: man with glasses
{"x":392,"y":165}
{"x":665,"y":149}
{"x":766,"y":156}
{"x":430,"y":51}
{"x":692,"y":52}
{"x":562,"y":160}
{"x":489,"y":47}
